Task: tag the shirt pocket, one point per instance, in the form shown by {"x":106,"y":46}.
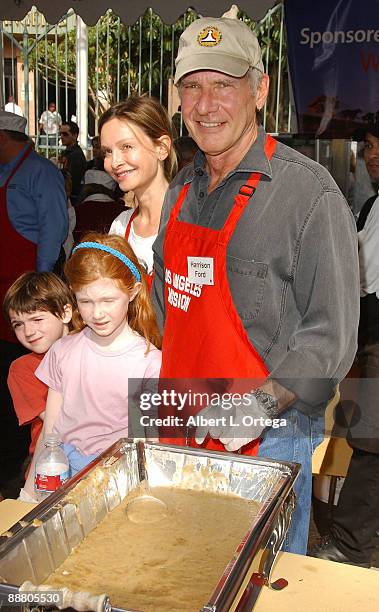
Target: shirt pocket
{"x":247,"y":281}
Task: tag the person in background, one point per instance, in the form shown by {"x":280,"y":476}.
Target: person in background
{"x":69,"y":242}
{"x":33,"y":226}
{"x":98,"y":205}
{"x":38,"y":307}
{"x":34,"y":219}
{"x":355,"y":520}
{"x":363,"y":188}
{"x":117,"y":339}
{"x":12,"y":107}
{"x":50,"y":123}
{"x":97,"y":161}
{"x":137,"y":143}
{"x":256,"y":266}
{"x":72,"y":157}
{"x":185,"y":148}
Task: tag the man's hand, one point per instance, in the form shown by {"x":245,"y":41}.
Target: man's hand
{"x":238,"y":426}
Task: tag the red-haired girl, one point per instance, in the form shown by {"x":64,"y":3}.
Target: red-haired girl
{"x":117,"y":339}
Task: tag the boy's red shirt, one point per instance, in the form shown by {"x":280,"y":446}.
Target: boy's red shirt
{"x":29,"y":394}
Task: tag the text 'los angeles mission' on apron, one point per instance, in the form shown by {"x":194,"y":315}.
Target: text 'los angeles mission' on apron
{"x":204,"y":337}
{"x":19,"y":254}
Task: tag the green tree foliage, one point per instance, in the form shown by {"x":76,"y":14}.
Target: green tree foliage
{"x":272,"y":38}
{"x":140,"y":59}
{"x":121,"y":59}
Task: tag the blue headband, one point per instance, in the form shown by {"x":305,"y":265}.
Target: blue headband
{"x":102,"y":247}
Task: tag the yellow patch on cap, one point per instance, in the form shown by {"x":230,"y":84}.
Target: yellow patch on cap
{"x":209,"y":36}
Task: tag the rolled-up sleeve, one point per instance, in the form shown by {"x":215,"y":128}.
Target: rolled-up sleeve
{"x":326,"y":287}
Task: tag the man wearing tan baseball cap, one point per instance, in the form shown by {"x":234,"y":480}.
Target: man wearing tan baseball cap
{"x":256,"y":269}
{"x":211,"y":44}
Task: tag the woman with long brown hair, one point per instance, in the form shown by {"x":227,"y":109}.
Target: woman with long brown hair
{"x":137,"y":142}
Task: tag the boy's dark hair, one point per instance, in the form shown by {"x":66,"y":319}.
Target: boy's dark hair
{"x":38,"y":291}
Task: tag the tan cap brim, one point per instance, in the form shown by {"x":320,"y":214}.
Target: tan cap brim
{"x":234,"y":66}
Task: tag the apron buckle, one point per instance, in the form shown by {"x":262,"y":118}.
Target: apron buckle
{"x":246,"y":190}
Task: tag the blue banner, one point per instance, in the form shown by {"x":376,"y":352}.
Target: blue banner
{"x":333,"y":54}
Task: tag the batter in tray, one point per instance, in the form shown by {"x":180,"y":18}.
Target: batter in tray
{"x":169,"y":566}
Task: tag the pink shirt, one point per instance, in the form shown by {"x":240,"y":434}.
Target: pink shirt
{"x":94,"y":385}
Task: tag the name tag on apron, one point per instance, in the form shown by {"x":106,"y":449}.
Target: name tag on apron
{"x":200,"y":270}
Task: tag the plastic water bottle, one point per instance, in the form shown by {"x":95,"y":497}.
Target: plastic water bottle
{"x":52,"y":468}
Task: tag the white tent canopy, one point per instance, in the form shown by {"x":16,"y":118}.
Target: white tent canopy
{"x":128,"y":10}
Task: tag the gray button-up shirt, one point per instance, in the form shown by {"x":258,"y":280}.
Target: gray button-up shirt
{"x":292,"y":264}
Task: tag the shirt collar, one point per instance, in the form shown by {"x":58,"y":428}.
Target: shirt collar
{"x":255,"y":160}
{"x":5,"y":167}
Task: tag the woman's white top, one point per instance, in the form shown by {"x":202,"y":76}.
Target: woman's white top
{"x":143,"y":247}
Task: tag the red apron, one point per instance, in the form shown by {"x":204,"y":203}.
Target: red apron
{"x":18,"y":254}
{"x":203,"y":334}
{"x":149,"y":277}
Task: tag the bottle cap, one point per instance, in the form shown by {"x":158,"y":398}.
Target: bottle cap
{"x":51,"y":439}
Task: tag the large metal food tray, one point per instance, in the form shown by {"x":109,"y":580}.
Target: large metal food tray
{"x":34,"y":547}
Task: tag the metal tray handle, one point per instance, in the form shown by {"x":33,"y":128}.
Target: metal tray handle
{"x":70,"y":599}
{"x":277,"y":537}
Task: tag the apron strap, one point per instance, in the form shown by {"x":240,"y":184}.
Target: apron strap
{"x":246,"y":191}
{"x":178,"y":203}
{"x":242,"y":198}
{"x":21,"y":161}
{"x":149,"y":277}
{"x":127,"y":230}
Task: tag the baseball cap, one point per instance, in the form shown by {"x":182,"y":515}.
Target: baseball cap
{"x":218,"y":43}
{"x":12,"y":122}
{"x":369,"y":128}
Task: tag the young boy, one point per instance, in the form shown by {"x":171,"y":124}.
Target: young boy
{"x":38,"y":307}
